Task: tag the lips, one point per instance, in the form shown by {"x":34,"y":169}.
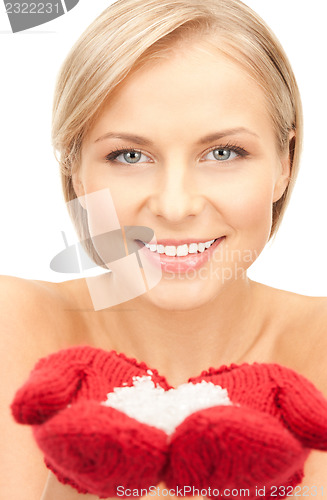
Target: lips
{"x":185,"y":263}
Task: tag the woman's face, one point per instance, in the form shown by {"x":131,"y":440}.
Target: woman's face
{"x":204,"y":165}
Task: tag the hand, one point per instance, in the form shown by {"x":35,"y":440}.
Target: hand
{"x":264,"y":438}
{"x":91,"y":447}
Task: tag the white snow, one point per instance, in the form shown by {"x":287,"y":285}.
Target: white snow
{"x":165,"y":410}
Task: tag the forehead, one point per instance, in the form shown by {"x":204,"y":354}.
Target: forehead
{"x":183,"y":91}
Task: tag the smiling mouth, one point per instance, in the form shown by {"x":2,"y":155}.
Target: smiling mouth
{"x":180,"y":250}
{"x":182,"y":258}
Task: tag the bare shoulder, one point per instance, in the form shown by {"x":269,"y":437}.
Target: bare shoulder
{"x":33,"y":304}
{"x":38,"y":318}
{"x":293,"y":309}
{"x":15,"y":290}
{"x":302,"y":315}
{"x":313,"y":335}
{"x":26,"y":307}
{"x":298,"y":325}
{"x":34,"y":321}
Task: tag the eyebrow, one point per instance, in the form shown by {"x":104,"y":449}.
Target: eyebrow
{"x":130,"y":137}
{"x":137,"y":139}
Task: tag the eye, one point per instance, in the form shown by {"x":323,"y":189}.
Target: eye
{"x":127,"y":156}
{"x":222,"y":154}
{"x":225,"y":153}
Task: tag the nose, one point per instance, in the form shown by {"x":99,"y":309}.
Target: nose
{"x":177,"y":194}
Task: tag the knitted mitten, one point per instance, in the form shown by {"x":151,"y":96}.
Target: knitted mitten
{"x":89,"y":446}
{"x":262,"y":439}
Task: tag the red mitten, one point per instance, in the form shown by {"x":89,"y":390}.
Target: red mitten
{"x":89,"y":446}
{"x":262,"y":439}
{"x":73,"y":374}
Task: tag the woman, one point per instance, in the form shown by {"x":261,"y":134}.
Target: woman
{"x":211,"y":109}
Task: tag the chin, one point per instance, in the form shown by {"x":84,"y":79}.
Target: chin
{"x":181,"y":294}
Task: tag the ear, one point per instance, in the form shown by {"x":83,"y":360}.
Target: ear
{"x":286,"y":160}
{"x":78,"y":186}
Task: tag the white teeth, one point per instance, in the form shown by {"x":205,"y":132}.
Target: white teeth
{"x":202,"y":247}
{"x":171,"y":250}
{"x":180,"y":250}
{"x":193,"y":248}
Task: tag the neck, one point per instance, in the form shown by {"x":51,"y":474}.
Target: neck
{"x":180,"y":344}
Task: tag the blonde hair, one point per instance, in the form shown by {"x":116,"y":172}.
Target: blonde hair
{"x":131,"y":32}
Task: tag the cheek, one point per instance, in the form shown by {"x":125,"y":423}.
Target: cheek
{"x":252,"y":211}
{"x":122,"y":193}
{"x":246,"y":207}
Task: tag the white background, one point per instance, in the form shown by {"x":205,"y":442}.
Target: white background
{"x":32,"y":208}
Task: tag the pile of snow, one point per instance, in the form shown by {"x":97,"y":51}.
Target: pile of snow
{"x":165,"y":410}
